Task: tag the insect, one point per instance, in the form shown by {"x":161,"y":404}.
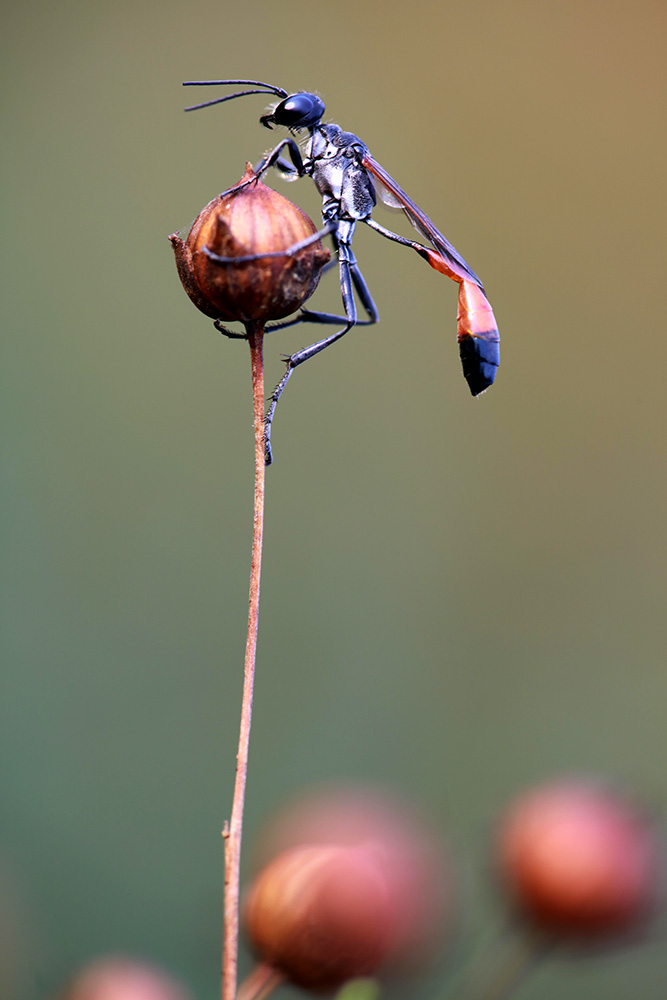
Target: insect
{"x":349,"y":180}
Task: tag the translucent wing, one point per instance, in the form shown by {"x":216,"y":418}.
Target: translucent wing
{"x":394,"y":195}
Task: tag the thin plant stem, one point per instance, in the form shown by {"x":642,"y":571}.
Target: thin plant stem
{"x":519,"y":955}
{"x":232,"y":832}
{"x":260,"y":983}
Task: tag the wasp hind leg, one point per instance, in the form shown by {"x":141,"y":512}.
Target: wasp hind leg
{"x":360,"y":286}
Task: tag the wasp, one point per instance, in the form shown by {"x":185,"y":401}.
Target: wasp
{"x":350,"y":180}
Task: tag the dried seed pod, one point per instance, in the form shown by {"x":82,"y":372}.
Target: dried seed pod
{"x":416,"y":864}
{"x":321,"y":915}
{"x":247,"y":220}
{"x":121,"y":978}
{"x":580,"y":860}
{"x":352,"y":883}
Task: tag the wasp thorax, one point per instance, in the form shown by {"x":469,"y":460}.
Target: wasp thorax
{"x":247,"y":220}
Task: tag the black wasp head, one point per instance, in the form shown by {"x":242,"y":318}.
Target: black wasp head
{"x":296,"y":111}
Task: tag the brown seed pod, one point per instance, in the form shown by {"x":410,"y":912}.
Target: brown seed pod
{"x":418,"y":871}
{"x":249,"y":219}
{"x":321,"y":915}
{"x":580,"y":860}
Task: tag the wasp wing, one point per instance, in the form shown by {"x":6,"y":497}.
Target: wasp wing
{"x":397,"y":197}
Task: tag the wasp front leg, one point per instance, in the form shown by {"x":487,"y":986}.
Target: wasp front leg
{"x":275,"y":159}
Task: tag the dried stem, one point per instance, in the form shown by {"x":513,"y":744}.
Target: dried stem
{"x":233,"y":831}
{"x":520,"y":954}
{"x":261,"y":982}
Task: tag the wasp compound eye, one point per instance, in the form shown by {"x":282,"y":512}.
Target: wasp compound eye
{"x":299,"y":111}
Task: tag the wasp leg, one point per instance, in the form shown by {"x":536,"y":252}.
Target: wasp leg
{"x":350,"y":279}
{"x":274,"y":158}
{"x":286,"y":170}
{"x":365,"y":298}
{"x":232,"y":334}
{"x":288,"y":252}
{"x":387,"y":233}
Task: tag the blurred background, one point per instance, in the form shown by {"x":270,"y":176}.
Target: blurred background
{"x":460,"y":597}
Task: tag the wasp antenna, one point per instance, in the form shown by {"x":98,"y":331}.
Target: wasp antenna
{"x":221,"y":100}
{"x":278,"y":91}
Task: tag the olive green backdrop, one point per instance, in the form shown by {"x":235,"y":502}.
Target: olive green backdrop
{"x":461,"y":597}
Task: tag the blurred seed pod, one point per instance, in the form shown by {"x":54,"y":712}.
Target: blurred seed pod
{"x":320,"y":915}
{"x":248,"y":219}
{"x":120,"y":978}
{"x":352,"y":884}
{"x":580,"y":860}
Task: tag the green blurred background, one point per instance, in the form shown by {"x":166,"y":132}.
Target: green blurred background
{"x":460,"y":597}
